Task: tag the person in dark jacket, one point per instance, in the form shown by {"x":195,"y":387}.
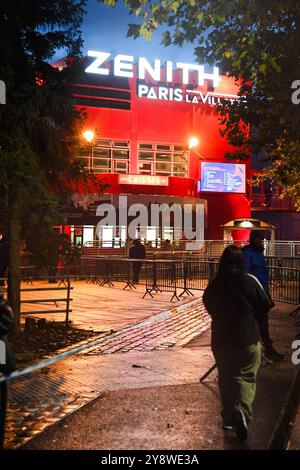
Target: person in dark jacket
{"x":137,"y":251}
{"x":255,"y":264}
{"x":236,"y":301}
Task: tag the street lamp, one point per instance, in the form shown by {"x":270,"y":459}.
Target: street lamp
{"x":194,"y":142}
{"x":89,"y":135}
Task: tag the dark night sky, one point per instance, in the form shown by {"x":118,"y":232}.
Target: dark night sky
{"x":105,"y":29}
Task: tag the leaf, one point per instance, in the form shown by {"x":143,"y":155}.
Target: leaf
{"x":134,"y":30}
{"x":166,"y":38}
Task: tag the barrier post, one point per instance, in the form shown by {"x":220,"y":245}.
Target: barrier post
{"x":68,"y":301}
{"x":211,"y":269}
{"x":186,"y":273}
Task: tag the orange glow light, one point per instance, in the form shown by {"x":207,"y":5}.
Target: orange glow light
{"x":193,"y":142}
{"x":89,"y":135}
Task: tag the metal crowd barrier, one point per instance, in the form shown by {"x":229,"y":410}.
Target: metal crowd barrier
{"x":285,"y":284}
{"x":110,"y":270}
{"x":173,"y":276}
{"x":183,"y":276}
{"x":284,"y":261}
{"x":162,"y":276}
{"x":190,"y":275}
{"x":63,"y":285}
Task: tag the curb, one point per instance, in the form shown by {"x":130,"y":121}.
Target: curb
{"x":284,"y":425}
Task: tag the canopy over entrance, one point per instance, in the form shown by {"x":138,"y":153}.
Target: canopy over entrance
{"x":239,"y":229}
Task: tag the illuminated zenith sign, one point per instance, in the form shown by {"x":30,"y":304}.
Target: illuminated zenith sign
{"x":123,"y":67}
{"x":144,"y":179}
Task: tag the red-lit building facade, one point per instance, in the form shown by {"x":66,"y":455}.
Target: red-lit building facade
{"x":142,"y":129}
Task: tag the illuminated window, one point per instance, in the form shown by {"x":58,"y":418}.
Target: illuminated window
{"x":162,"y":159}
{"x":106,"y":156}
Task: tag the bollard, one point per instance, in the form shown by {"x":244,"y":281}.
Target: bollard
{"x":30,"y":325}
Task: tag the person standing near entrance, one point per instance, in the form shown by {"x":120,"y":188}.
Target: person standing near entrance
{"x":137,"y":251}
{"x":236,"y":301}
{"x":255,"y":263}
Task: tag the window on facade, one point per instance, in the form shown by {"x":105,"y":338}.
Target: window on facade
{"x":162,"y":159}
{"x":120,"y":167}
{"x":106,"y":156}
{"x":145,"y":168}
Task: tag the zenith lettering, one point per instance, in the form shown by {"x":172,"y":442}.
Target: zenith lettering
{"x":123,"y":67}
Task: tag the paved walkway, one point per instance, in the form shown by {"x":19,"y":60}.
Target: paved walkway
{"x":102,"y":308}
{"x":144,"y":398}
{"x":294,"y":442}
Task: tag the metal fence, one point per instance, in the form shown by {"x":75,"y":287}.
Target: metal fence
{"x":285,"y":284}
{"x":62,"y":286}
{"x":178,"y":273}
{"x":284,"y":261}
{"x":208,"y":248}
{"x":185,"y":275}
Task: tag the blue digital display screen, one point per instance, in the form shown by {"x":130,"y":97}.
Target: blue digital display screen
{"x":223,"y":177}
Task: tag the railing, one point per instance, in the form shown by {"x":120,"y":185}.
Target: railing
{"x":283,"y":261}
{"x":206,"y":248}
{"x":63,"y":285}
{"x":162,"y":276}
{"x":98,"y":247}
{"x":285,"y":284}
{"x":185,"y":275}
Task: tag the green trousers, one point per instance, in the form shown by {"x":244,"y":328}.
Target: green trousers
{"x":237,"y":369}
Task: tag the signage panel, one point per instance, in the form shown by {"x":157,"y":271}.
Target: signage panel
{"x":144,"y":180}
{"x":156,"y":81}
{"x":223,"y":177}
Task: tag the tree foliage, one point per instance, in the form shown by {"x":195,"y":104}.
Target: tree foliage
{"x":39,"y":126}
{"x":255,"y":41}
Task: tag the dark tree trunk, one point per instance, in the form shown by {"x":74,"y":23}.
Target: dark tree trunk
{"x":14,"y":266}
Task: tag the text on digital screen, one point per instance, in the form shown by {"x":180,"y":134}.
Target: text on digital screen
{"x":223,"y":177}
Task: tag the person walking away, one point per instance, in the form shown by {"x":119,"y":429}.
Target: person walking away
{"x":255,"y":263}
{"x":137,"y":251}
{"x":236,"y":301}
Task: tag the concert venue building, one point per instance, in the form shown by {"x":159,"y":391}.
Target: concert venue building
{"x":153,"y":135}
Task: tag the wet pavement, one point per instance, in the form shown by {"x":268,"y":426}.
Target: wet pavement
{"x":39,"y":399}
{"x":100,"y":308}
{"x":294,"y":441}
{"x":141,"y":390}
